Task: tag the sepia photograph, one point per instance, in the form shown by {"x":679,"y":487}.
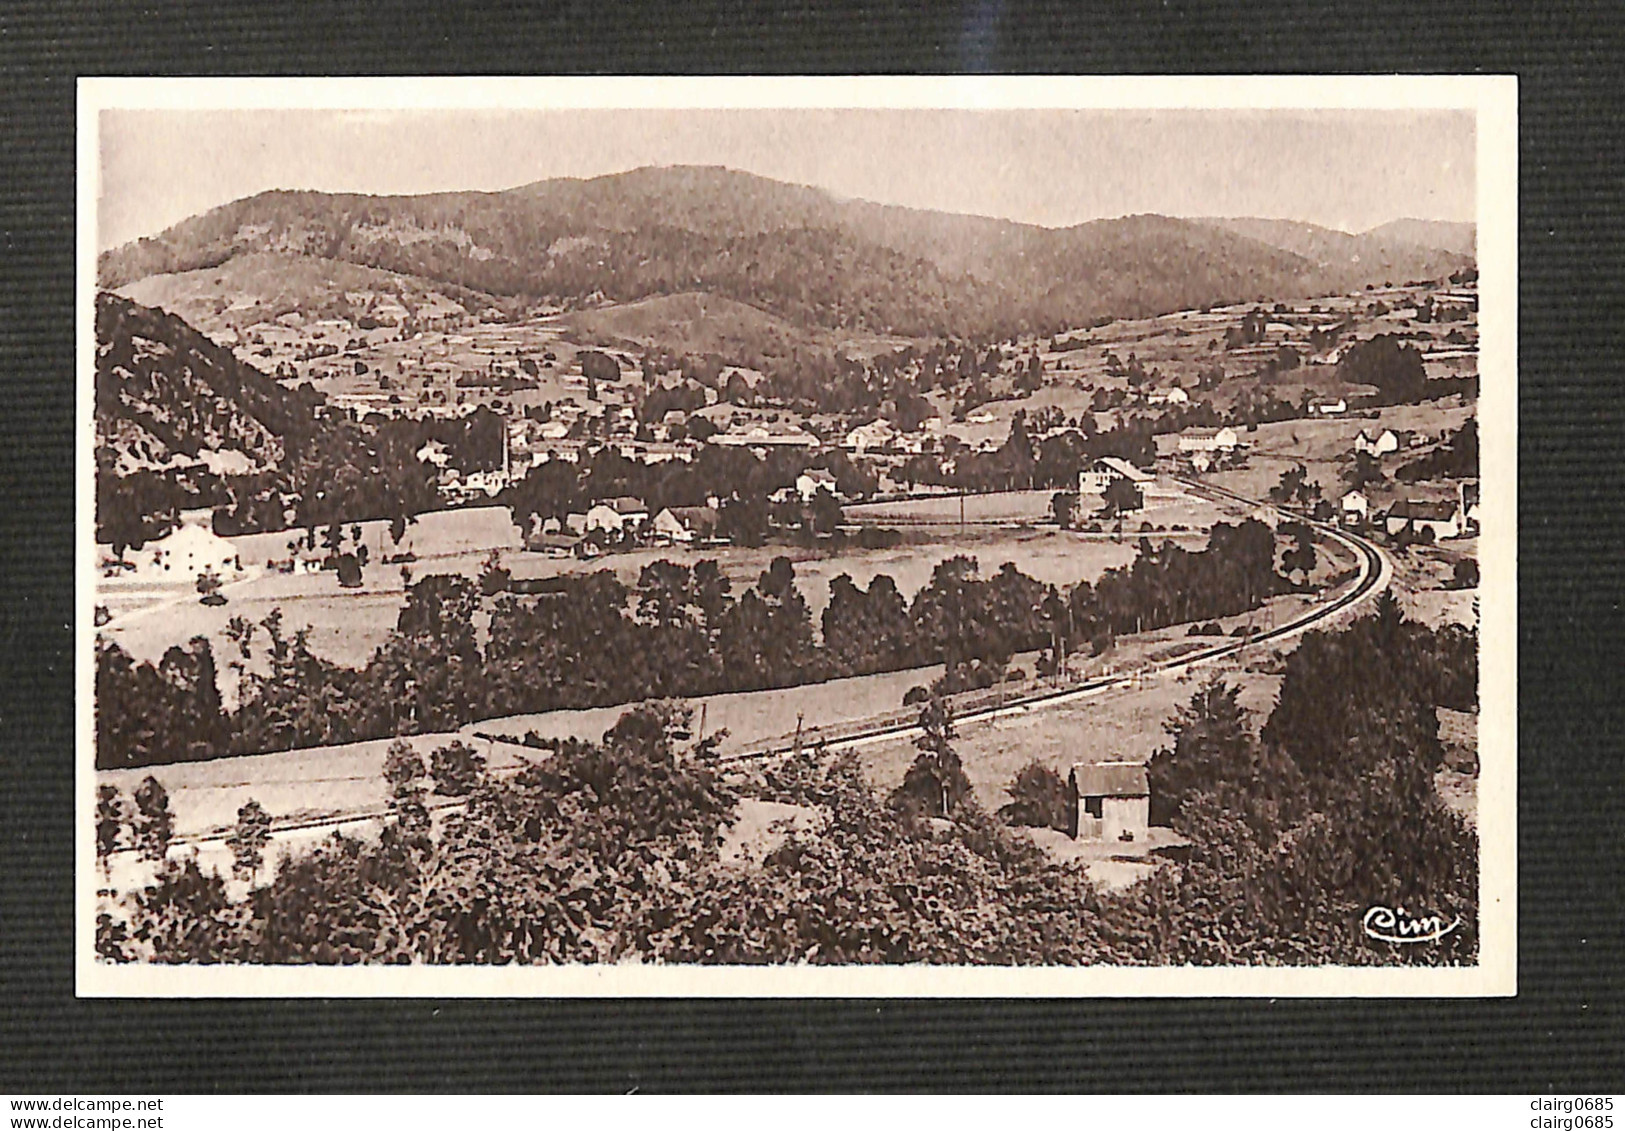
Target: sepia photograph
{"x":836,"y":537}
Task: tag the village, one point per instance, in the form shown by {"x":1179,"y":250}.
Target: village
{"x":1333,"y":461}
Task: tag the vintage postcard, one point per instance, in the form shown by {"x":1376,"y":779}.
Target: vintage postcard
{"x":849,"y":537}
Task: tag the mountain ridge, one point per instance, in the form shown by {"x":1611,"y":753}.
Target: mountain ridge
{"x":795,"y":251}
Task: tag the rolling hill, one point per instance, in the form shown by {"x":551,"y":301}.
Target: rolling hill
{"x":263,"y":286}
{"x":1391,"y":253}
{"x":797,"y":253}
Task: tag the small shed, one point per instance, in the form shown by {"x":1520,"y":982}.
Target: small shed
{"x":1109,"y":801}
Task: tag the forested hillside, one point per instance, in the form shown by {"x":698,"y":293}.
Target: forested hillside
{"x":794,"y":251}
{"x":163,"y":389}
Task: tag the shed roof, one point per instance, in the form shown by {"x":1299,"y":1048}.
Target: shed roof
{"x":1110,"y":779}
{"x":624,"y":504}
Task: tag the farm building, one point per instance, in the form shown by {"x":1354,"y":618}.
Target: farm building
{"x":1330,"y":407}
{"x":686,"y":525}
{"x":812,"y":481}
{"x":1108,"y":801}
{"x":1105,"y":470}
{"x":1379,"y":445}
{"x":1209,"y":440}
{"x":1442,"y":518}
{"x":1467,"y":496}
{"x":876,"y":434}
{"x":763,"y":436}
{"x":1175,"y":395}
{"x":617,"y":514}
{"x":1108,"y":469}
{"x":183,"y":555}
{"x":1356,"y":508}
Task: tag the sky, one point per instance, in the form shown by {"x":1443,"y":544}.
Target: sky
{"x":1343,"y":169}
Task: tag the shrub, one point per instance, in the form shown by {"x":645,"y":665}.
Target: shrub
{"x":1037,"y":798}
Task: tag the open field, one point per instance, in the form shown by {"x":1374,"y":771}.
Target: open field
{"x":1122,"y":723}
{"x":753,"y":719}
{"x":348,"y":625}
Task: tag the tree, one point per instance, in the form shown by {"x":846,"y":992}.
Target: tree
{"x":240,"y":631}
{"x":248,"y":840}
{"x":1300,"y":558}
{"x":1393,"y":366}
{"x":1037,"y":798}
{"x":1212,"y":747}
{"x":826,"y":513}
{"x":111,"y":814}
{"x":1064,"y":505}
{"x":1367,"y":468}
{"x":936,"y":783}
{"x":349,"y":571}
{"x":457,"y":769}
{"x":404,"y":773}
{"x":1121,"y":496}
{"x":208,"y":583}
{"x":154,"y":825}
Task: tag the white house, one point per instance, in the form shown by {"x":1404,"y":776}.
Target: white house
{"x":1175,"y":395}
{"x":182,"y":556}
{"x":812,"y":481}
{"x":1330,"y":408}
{"x":1209,"y":440}
{"x":1106,"y":469}
{"x":761,"y":436}
{"x":685,"y":526}
{"x":1109,"y":801}
{"x":1443,"y":517}
{"x":875,"y":435}
{"x":1467,"y":495}
{"x":1355,"y":508}
{"x":1379,"y":445}
{"x":616,"y":514}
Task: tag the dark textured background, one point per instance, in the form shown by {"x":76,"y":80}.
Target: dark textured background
{"x":1564,"y":1032}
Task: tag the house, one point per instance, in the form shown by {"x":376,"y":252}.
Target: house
{"x":1209,"y":440}
{"x":615,"y":514}
{"x":1106,"y":470}
{"x":1442,"y":517}
{"x":812,"y":481}
{"x":1329,"y":408}
{"x":763,"y":436}
{"x":1467,"y":496}
{"x":1109,"y":801}
{"x":554,"y":545}
{"x":876,"y":434}
{"x":1379,"y":445}
{"x":686,"y":526}
{"x":1388,"y":440}
{"x":487,"y":483}
{"x":1355,"y":508}
{"x":183,"y":555}
{"x":1175,"y":395}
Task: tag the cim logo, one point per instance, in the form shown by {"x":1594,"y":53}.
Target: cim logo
{"x":1396,"y":925}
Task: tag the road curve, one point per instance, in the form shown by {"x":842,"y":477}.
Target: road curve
{"x":1376,"y":571}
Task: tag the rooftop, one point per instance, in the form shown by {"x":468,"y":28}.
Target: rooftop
{"x":1110,"y":779}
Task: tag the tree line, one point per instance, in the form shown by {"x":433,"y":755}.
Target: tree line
{"x":616,"y":850}
{"x":589,"y":640}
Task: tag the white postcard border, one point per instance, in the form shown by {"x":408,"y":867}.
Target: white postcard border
{"x":1493,"y":98}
